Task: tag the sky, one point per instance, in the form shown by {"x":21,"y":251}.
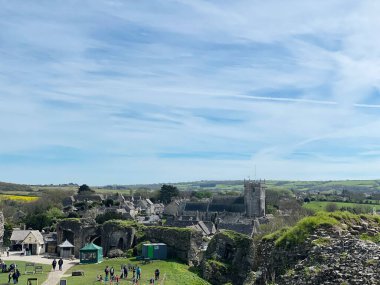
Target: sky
{"x":126,"y":92}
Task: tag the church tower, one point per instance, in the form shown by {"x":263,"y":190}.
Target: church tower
{"x":254,"y":198}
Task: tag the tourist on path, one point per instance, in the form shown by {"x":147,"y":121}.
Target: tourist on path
{"x":54,"y":264}
{"x":60,"y":263}
{"x":157,"y":274}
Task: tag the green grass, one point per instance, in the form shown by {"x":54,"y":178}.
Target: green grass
{"x":176,"y":273}
{"x":301,"y":231}
{"x":24,"y":277}
{"x":375,"y":238}
{"x":321,"y":205}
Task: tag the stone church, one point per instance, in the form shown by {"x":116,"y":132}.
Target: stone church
{"x":241,"y":213}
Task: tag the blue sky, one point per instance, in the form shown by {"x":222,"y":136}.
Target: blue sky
{"x":106,"y":92}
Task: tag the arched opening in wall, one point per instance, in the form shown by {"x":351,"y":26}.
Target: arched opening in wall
{"x":120,"y":244}
{"x":68,"y":235}
{"x":96,"y":240}
{"x":228,"y":250}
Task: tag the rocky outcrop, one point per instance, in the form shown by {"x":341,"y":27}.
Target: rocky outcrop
{"x":228,"y":258}
{"x":338,"y":250}
{"x":343,"y":260}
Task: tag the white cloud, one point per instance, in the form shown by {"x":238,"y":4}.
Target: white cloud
{"x":125,"y":81}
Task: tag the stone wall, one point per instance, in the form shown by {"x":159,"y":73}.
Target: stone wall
{"x":118,"y":235}
{"x":2,"y":222}
{"x":183,"y":243}
{"x":78,"y":232}
{"x":229,"y":258}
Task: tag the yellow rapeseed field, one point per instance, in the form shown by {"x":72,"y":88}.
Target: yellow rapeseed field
{"x":18,"y":198}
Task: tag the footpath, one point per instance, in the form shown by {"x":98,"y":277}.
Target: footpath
{"x":54,"y":276}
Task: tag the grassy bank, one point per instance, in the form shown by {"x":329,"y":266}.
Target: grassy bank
{"x":24,"y":277}
{"x":176,"y":273}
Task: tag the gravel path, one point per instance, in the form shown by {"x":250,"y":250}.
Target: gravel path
{"x":54,"y":276}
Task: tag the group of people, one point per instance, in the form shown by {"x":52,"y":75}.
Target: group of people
{"x":12,"y":270}
{"x":109,"y":274}
{"x":60,"y":264}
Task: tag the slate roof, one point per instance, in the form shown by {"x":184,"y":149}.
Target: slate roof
{"x":229,"y":204}
{"x":19,"y":235}
{"x":196,"y":206}
{"x":66,"y":244}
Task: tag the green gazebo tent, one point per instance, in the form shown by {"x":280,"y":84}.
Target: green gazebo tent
{"x":91,"y":253}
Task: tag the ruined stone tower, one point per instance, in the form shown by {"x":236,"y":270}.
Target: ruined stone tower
{"x":254,"y":198}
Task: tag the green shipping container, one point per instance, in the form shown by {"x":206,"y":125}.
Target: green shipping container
{"x":154,"y":251}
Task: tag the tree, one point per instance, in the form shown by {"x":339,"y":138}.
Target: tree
{"x":83,"y":189}
{"x":331,"y":207}
{"x":108,"y":202}
{"x":7,"y":234}
{"x":167,"y":192}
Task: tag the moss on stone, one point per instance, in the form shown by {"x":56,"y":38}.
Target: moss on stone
{"x":122,"y":224}
{"x":374,"y":238}
{"x":239,"y":239}
{"x":301,"y":231}
{"x":322,"y":241}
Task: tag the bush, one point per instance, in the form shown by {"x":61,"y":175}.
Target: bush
{"x":128,"y":253}
{"x":331,"y":207}
{"x":115,"y":253}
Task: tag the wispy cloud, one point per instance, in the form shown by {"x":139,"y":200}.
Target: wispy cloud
{"x":147,"y":91}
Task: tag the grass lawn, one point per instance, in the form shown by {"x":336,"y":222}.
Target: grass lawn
{"x":176,"y":273}
{"x":321,"y":205}
{"x":24,"y":277}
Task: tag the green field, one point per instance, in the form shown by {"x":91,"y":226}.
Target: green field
{"x":321,"y":205}
{"x":176,"y":273}
{"x":24,"y":277}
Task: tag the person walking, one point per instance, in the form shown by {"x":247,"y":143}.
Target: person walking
{"x":112,"y":272}
{"x":106,"y":272}
{"x":10,"y":276}
{"x":16,"y":274}
{"x":125,"y":269}
{"x":54,"y":264}
{"x":60,"y":264}
{"x":157,"y":274}
{"x":138,"y":273}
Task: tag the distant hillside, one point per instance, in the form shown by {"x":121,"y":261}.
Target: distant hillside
{"x":8,"y":187}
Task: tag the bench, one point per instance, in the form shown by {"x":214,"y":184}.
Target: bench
{"x":38,"y":269}
{"x":77,"y":273}
{"x":146,"y":260}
